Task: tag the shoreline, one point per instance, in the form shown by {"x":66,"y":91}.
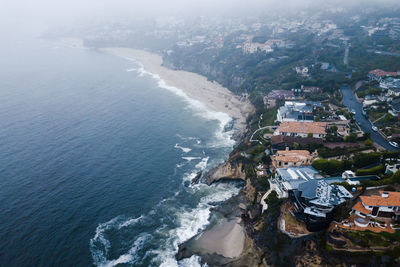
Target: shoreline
{"x":191,"y":86}
{"x":227,"y":240}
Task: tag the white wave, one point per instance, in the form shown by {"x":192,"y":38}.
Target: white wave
{"x":131,"y":69}
{"x":184,"y":149}
{"x":189,"y":159}
{"x":180,"y":165}
{"x":130,"y":256}
{"x":130,"y":222}
{"x":202,"y":164}
{"x":224,"y":139}
{"x":192,"y":221}
{"x":193,"y":261}
{"x":100,"y":245}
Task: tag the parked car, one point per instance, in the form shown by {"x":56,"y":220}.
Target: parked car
{"x":374,"y":128}
{"x":394,"y":144}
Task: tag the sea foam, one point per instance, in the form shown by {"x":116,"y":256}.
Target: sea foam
{"x":224,"y":138}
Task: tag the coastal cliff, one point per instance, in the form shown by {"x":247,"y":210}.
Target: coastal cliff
{"x":226,"y":170}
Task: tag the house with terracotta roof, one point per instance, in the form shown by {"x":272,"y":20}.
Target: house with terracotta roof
{"x":288,"y":158}
{"x":384,"y":205}
{"x":378,"y":74}
{"x":302,"y":129}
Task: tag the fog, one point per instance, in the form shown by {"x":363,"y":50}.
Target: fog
{"x":19,"y":14}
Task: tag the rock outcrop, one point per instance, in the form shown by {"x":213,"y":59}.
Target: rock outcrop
{"x":226,"y":170}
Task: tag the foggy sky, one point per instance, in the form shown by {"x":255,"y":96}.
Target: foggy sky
{"x":13,"y":12}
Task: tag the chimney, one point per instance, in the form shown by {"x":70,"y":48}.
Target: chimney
{"x":287,"y":148}
{"x":385,"y":194}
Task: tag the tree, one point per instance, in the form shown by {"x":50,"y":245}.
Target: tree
{"x":329,"y":166}
{"x":368,"y":142}
{"x":310,"y":135}
{"x":351,"y":138}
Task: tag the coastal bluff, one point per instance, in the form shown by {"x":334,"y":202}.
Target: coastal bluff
{"x":226,"y":170}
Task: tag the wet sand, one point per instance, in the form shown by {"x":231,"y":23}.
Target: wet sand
{"x":226,"y":239}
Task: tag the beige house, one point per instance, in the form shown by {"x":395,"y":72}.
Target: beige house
{"x":289,"y":158}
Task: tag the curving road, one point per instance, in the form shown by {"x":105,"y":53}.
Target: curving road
{"x":350,"y":101}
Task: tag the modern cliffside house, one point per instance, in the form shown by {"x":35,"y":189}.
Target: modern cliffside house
{"x":386,"y":205}
{"x":289,"y":158}
{"x":313,"y":198}
{"x":287,"y":179}
{"x":297,"y":111}
{"x":302,"y":129}
{"x":316,"y":199}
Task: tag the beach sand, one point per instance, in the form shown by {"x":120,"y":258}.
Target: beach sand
{"x":216,"y":97}
{"x":226,"y":238}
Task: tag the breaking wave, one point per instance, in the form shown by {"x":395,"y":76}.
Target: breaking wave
{"x":184,"y":149}
{"x":223,"y":137}
{"x":153,"y":238}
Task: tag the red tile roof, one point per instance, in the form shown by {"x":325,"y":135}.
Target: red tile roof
{"x":393,"y":199}
{"x":381,"y":73}
{"x":360,"y":207}
{"x":303,"y":127}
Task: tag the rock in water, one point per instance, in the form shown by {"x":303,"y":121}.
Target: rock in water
{"x":196,"y":179}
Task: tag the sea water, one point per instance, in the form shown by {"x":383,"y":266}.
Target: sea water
{"x":96,"y":160}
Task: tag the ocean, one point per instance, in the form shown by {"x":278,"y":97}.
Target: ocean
{"x":96,"y":160}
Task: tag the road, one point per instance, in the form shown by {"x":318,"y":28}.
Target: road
{"x":350,"y":101}
{"x":346,"y":55}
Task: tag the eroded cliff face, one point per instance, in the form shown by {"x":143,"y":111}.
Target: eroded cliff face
{"x":226,"y":170}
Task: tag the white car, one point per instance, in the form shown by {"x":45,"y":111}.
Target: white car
{"x":374,"y":128}
{"x":394,"y":144}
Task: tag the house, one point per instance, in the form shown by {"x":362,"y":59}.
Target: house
{"x":311,"y":89}
{"x":302,"y":129}
{"x":315,"y":200}
{"x":395,"y":107}
{"x":271,"y":99}
{"x":392,"y":168}
{"x":343,"y":128}
{"x":290,"y":178}
{"x":393,"y":92}
{"x":367,"y":103}
{"x":302,"y":70}
{"x":297,"y":111}
{"x":280,"y":142}
{"x":289,"y":158}
{"x":384,"y":205}
{"x":390,"y":83}
{"x":378,"y":74}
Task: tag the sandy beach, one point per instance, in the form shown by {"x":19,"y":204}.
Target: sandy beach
{"x":226,"y":239}
{"x":197,"y":87}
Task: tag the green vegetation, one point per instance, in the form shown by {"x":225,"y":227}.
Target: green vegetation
{"x":331,"y":166}
{"x":268,"y":117}
{"x":365,"y":159}
{"x":339,"y":151}
{"x":369,"y":91}
{"x":371,"y":239}
{"x":372,"y":171}
{"x":395,"y":178}
{"x":261,"y":184}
